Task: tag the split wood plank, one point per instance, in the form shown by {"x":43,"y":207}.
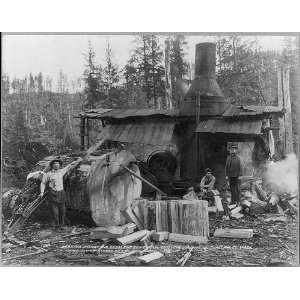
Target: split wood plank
{"x":218,"y":203}
{"x":138,"y":215}
{"x":130,"y":217}
{"x":188,"y":239}
{"x":112,"y":231}
{"x":160,"y":236}
{"x":212,"y":209}
{"x":150,"y":257}
{"x":174,"y":217}
{"x":131,"y":238}
{"x":151,"y":215}
{"x":234,"y":233}
{"x":161,"y":215}
{"x":236,"y":210}
{"x":237,"y":216}
{"x":123,"y":255}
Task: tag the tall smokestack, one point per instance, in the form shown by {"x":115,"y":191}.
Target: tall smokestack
{"x":205,"y":73}
{"x":205,"y":60}
{"x":205,"y":85}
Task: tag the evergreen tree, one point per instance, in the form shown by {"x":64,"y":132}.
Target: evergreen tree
{"x":92,"y":77}
{"x":110,"y":78}
{"x":147,"y":59}
{"x":179,"y":66}
{"x":243,"y":70}
{"x":5,"y":85}
{"x":40,"y":87}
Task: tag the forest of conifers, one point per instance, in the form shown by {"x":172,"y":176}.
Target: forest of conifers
{"x":37,"y":111}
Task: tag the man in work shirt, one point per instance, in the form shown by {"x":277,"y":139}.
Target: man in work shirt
{"x":56,"y":194}
{"x":208,"y":181}
{"x":233,"y":172}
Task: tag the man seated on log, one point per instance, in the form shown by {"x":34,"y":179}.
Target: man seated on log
{"x":207,"y":185}
{"x":208,"y":181}
{"x":55,"y":189}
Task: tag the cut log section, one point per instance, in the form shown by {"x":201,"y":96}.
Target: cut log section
{"x":131,"y":238}
{"x":188,"y":239}
{"x":111,"y":189}
{"x":194,"y":217}
{"x":181,"y":216}
{"x":234,"y":233}
{"x":150,"y":257}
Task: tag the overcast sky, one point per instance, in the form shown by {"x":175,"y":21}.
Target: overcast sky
{"x":48,"y":54}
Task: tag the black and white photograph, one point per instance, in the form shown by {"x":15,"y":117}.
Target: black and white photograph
{"x":150,"y":149}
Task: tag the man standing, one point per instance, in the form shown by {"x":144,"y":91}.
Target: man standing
{"x":233,"y":172}
{"x":56,"y":194}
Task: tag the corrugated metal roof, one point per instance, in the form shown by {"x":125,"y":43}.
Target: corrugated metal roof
{"x":235,"y":127}
{"x":125,"y":113}
{"x":158,"y":133}
{"x":250,"y":110}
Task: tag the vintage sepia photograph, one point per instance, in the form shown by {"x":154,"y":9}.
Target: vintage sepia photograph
{"x":150,"y":149}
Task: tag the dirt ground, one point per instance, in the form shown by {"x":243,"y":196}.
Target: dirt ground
{"x":273,"y":244}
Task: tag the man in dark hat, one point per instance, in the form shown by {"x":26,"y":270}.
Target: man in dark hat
{"x":56,"y":194}
{"x":233,"y":172}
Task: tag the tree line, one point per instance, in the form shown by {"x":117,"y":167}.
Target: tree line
{"x":39,"y":109}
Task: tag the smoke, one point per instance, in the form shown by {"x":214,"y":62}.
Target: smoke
{"x":282,"y":176}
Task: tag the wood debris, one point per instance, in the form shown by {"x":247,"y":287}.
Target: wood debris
{"x":185,"y":257}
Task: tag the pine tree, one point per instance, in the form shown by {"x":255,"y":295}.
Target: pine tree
{"x":147,"y":59}
{"x":179,"y":66}
{"x":110,"y":77}
{"x":92,"y":77}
